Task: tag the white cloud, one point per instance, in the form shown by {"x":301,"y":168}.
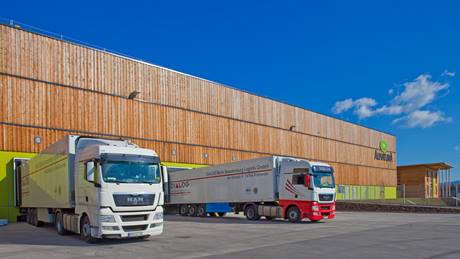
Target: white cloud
{"x":342,"y":106}
{"x":448,"y":73}
{"x":422,"y":119}
{"x":410,"y":105}
{"x":362,"y":107}
{"x":418,"y":93}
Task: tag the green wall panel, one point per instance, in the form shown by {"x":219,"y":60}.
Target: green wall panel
{"x":7,"y":209}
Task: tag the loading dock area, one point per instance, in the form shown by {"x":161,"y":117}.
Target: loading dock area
{"x":351,"y":235}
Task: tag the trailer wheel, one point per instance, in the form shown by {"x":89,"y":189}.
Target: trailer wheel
{"x":183,"y":210}
{"x":192,"y":211}
{"x":201,"y":211}
{"x":28,"y":217}
{"x":221,"y":214}
{"x":293,"y":214}
{"x":59,"y":223}
{"x":251,"y":213}
{"x":85,"y":230}
{"x":34,"y":218}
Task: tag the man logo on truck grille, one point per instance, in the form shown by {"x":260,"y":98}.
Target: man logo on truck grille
{"x":135,"y":200}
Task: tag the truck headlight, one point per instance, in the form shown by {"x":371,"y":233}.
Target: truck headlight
{"x":158,"y":215}
{"x":107,"y":218}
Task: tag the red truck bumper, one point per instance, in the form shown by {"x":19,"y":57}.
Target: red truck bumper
{"x":322,"y":210}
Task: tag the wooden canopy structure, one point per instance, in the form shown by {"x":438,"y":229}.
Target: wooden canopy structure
{"x":432,"y":180}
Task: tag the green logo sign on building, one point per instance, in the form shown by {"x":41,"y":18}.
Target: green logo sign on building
{"x":383,"y":146}
{"x":383,"y":153}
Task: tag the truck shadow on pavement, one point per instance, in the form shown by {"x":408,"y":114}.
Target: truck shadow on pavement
{"x":232,"y":219}
{"x":25,"y":234}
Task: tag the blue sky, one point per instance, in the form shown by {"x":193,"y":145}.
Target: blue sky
{"x":391,"y":66}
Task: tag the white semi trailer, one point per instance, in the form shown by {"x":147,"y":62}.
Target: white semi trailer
{"x":273,"y":187}
{"x":99,"y":188}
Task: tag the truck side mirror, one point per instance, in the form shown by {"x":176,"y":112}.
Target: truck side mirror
{"x":164,"y":172}
{"x":90,"y":169}
{"x":307,"y":181}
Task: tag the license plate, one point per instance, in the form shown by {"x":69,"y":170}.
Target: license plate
{"x":135,"y":234}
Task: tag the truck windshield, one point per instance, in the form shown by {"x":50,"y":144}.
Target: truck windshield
{"x":130,"y":172}
{"x":323,"y":179}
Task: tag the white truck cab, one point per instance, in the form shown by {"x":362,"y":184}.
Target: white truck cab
{"x":99,"y":188}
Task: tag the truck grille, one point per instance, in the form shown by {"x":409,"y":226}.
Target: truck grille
{"x":135,"y":228}
{"x":134,"y":199}
{"x":130,"y":218}
{"x":326,"y":197}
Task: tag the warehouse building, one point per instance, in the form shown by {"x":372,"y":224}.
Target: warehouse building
{"x":51,"y":88}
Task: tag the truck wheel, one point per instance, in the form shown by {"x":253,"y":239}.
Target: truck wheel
{"x":59,"y":223}
{"x":34,"y":220}
{"x":293,"y":214}
{"x":251,"y":213}
{"x":192,"y":211}
{"x":29,"y":217}
{"x":201,"y":211}
{"x":183,"y":210}
{"x":85,"y":230}
{"x":221,"y":214}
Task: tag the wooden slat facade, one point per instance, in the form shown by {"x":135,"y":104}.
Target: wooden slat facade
{"x":50,"y":88}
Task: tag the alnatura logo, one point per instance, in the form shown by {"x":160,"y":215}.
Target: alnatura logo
{"x":383,"y":146}
{"x":383,"y":153}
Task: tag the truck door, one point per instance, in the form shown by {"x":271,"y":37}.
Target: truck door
{"x":88,"y":189}
{"x":292,"y":184}
{"x":18,"y":165}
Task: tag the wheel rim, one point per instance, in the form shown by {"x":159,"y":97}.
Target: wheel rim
{"x":58,"y":223}
{"x":201,"y":211}
{"x":182,"y":210}
{"x":293,"y":214}
{"x":250,"y":213}
{"x":86,"y":229}
{"x":192,"y":211}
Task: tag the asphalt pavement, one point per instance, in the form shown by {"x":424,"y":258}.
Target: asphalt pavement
{"x":350,"y":235}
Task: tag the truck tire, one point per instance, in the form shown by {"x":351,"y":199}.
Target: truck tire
{"x":201,"y":212}
{"x":85,"y":230}
{"x":34,"y":218}
{"x":192,"y":211}
{"x":251,"y":212}
{"x":29,"y":217}
{"x":59,"y":224}
{"x":183,"y":210}
{"x":293,"y":214}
